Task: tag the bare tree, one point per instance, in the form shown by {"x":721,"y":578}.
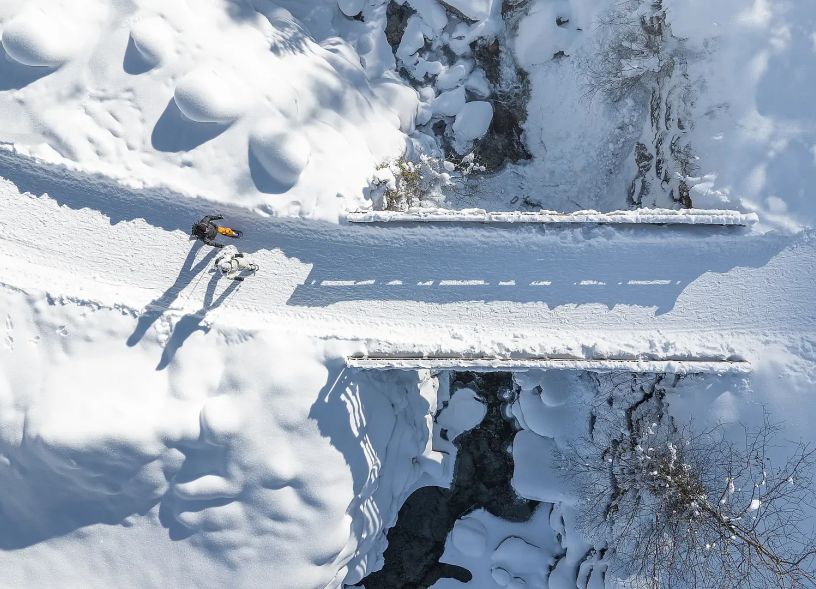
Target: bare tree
{"x":685,"y":507}
{"x":636,"y":52}
{"x":640,"y":59}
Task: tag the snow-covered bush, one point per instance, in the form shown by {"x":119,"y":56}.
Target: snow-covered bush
{"x":684,"y":507}
{"x":636,"y":50}
{"x":421,"y":181}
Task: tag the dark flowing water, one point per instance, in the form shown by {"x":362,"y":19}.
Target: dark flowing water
{"x":482,"y":474}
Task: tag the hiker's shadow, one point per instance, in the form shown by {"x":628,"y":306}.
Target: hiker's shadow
{"x":156,"y":308}
{"x":192,"y":322}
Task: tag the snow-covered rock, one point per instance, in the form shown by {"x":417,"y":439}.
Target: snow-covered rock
{"x":453,"y":76}
{"x":473,"y":9}
{"x":413,"y":38}
{"x":351,"y":7}
{"x":472,"y":122}
{"x":449,"y":103}
{"x":470,"y":537}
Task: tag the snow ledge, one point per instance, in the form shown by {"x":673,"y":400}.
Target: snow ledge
{"x":631,"y":217}
{"x":490,"y":364}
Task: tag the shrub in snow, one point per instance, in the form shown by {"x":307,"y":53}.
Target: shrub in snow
{"x":405,"y":183}
{"x":636,"y":51}
{"x":689,"y":508}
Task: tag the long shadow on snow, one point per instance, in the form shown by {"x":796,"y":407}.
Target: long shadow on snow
{"x":437,"y":264}
{"x":156,"y":308}
{"x":192,"y":322}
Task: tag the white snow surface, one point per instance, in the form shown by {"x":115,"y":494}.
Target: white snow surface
{"x":194,"y":428}
{"x":175,"y":94}
{"x":162,"y":427}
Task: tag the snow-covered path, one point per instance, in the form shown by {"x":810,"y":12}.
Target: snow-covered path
{"x":591,"y":290}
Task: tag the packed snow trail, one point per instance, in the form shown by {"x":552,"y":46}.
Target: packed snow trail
{"x":590,"y":290}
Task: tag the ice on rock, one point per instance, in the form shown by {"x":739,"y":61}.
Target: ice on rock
{"x":469,"y":535}
{"x":350,"y":7}
{"x":39,"y":38}
{"x":449,"y":103}
{"x":208,"y":96}
{"x":153,"y":39}
{"x":282,"y":155}
{"x":472,"y":122}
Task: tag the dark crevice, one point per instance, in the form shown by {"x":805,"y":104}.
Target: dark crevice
{"x":482,"y":475}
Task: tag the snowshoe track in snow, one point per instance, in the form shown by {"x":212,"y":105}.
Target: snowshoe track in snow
{"x":582,"y":292}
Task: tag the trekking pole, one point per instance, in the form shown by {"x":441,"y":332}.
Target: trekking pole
{"x":192,"y":290}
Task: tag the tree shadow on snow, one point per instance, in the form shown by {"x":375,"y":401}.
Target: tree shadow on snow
{"x":49,"y":492}
{"x":340,"y":416}
{"x":175,"y":132}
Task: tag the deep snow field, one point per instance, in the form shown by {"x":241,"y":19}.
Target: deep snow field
{"x":160,"y":427}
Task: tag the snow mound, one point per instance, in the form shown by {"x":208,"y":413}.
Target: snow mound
{"x":450,"y":103}
{"x":463,"y":412}
{"x":208,"y":96}
{"x":470,"y":536}
{"x":472,"y":122}
{"x":350,"y":7}
{"x":282,"y":155}
{"x":152,"y":37}
{"x":473,"y":9}
{"x":244,"y":452}
{"x":39,"y":38}
{"x":216,"y":71}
